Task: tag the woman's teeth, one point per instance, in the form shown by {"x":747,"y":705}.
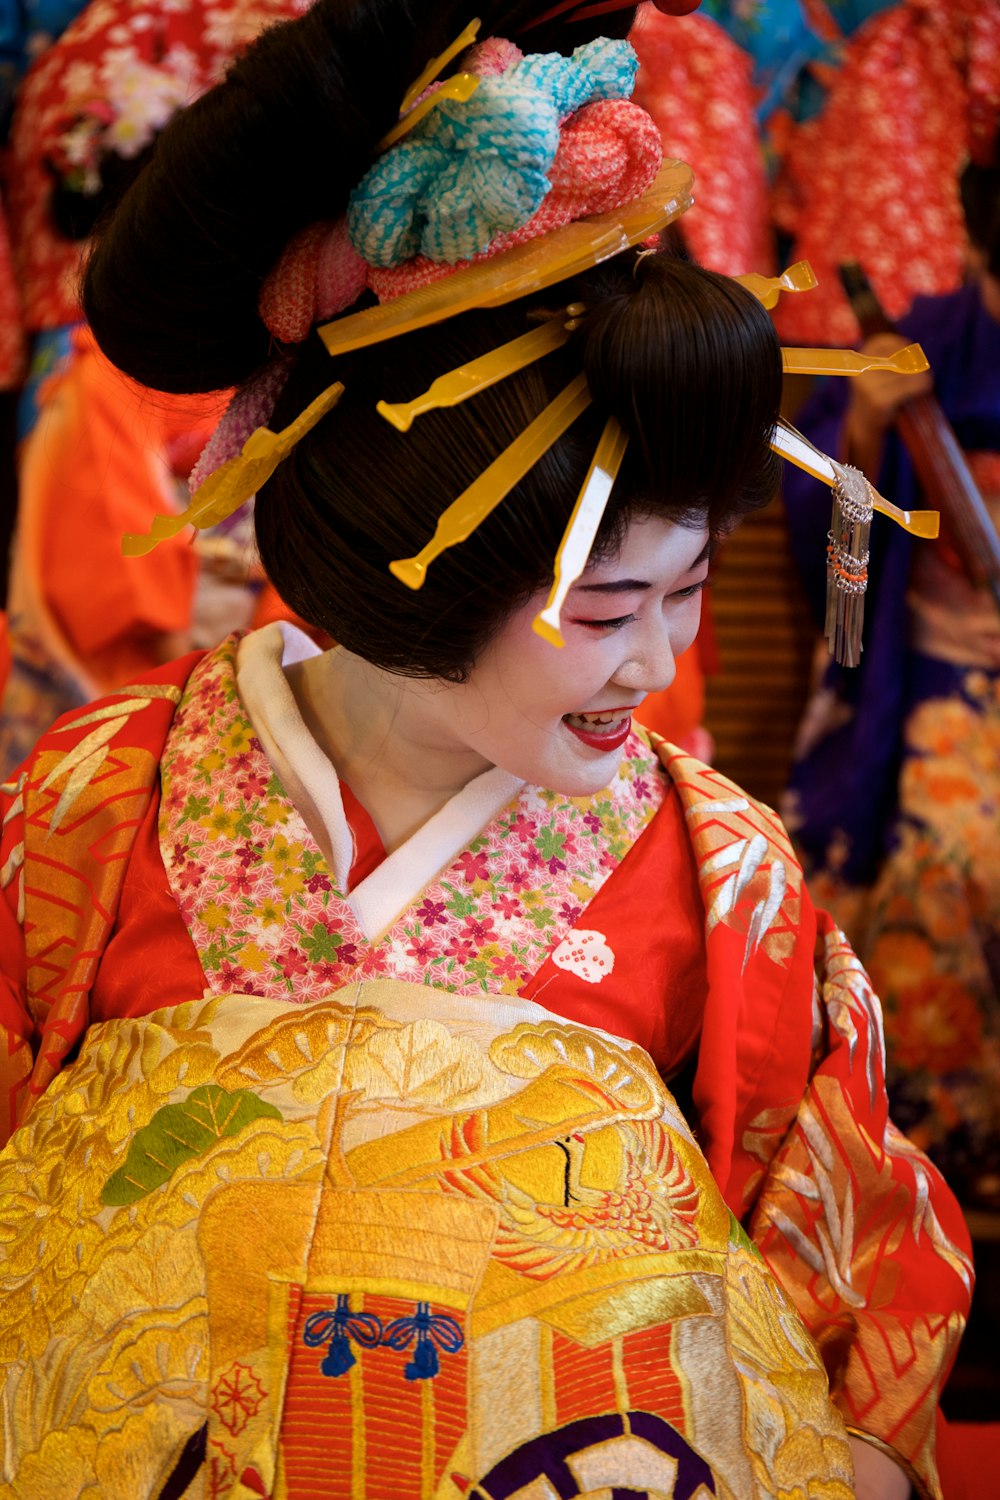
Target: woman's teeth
{"x":594,"y":722}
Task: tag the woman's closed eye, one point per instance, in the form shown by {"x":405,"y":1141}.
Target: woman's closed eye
{"x":692,"y":588}
{"x":617,"y":621}
{"x":614,"y":624}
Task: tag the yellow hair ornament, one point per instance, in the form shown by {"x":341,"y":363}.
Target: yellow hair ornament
{"x":909,"y":361}
{"x":767,"y":289}
{"x":233,"y":483}
{"x":468,"y":380}
{"x":461,"y":87}
{"x":584,"y":523}
{"x":525,"y":268}
{"x":438,"y":64}
{"x":472,"y":507}
{"x":798,"y":450}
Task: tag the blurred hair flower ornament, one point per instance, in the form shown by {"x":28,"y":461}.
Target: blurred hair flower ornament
{"x":131,"y":102}
{"x":76,"y":156}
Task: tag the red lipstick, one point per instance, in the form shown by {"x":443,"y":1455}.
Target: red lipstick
{"x":612,"y":738}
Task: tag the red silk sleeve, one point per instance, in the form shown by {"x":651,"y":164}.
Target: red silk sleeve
{"x":863,"y":1232}
{"x":864,"y":1235}
{"x":17,"y":1029}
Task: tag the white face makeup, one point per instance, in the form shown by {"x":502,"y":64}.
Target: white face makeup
{"x":559,"y":718}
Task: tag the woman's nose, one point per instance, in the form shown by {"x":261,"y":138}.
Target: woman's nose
{"x":651,"y":668}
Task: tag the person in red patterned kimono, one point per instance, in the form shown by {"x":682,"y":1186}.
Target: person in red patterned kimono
{"x":418,"y":1081}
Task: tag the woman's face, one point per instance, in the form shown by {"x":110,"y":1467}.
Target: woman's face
{"x":558,"y":718}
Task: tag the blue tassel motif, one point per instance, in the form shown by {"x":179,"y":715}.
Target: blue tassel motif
{"x":337,"y":1326}
{"x":430,"y":1332}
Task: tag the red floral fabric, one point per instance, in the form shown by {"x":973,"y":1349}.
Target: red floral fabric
{"x":873,"y":178}
{"x":11,"y":337}
{"x":696,"y":84}
{"x":194,"y":40}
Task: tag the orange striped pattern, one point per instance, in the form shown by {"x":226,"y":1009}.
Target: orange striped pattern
{"x":354,"y":1435}
{"x":652,"y":1381}
{"x":583,"y":1379}
{"x":766,"y":638}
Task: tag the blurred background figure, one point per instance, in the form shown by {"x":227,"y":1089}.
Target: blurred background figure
{"x":884,"y":120}
{"x":27,"y":27}
{"x":97,"y":455}
{"x":102,"y":457}
{"x":895,"y":795}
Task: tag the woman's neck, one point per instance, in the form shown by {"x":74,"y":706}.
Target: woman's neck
{"x":387,"y":737}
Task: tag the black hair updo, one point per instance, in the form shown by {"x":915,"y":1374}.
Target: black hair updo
{"x":687,"y":360}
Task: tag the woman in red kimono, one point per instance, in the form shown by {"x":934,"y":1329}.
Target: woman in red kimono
{"x":340,"y":987}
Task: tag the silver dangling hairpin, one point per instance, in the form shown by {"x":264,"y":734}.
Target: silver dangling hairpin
{"x":847,"y":564}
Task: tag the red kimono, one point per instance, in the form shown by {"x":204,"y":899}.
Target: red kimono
{"x":150,"y":856}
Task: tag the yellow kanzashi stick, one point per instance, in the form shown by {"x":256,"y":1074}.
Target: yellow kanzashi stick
{"x":524,"y":269}
{"x":767,"y":289}
{"x":485,"y":493}
{"x":578,"y":538}
{"x":229,"y":486}
{"x":458,"y":385}
{"x":437,"y":65}
{"x":462,"y":87}
{"x":791,"y":444}
{"x":909,"y":361}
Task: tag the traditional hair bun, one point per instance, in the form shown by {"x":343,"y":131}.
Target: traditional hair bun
{"x":173,"y":284}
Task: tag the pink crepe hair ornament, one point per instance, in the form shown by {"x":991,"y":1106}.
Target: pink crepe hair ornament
{"x":491,"y":58}
{"x":252,"y":406}
{"x":318,"y":274}
{"x":609,"y":152}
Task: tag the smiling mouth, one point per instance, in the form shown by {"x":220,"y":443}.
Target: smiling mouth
{"x":607,"y":718}
{"x":602,"y":731}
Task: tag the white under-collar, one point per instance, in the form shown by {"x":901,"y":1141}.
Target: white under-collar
{"x":311,"y":782}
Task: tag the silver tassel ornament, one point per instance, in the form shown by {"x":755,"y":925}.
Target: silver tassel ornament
{"x":847,"y":564}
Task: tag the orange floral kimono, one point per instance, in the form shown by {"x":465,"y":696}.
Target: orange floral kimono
{"x":327,"y":1186}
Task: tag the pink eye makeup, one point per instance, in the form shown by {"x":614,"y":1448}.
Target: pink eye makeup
{"x":617,"y":621}
{"x":614,"y":624}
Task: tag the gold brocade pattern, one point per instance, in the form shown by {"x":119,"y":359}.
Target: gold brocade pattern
{"x":846,"y":1211}
{"x":263,"y":1223}
{"x":750,"y":877}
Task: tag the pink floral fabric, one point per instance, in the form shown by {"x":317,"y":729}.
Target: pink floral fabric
{"x":261,"y":903}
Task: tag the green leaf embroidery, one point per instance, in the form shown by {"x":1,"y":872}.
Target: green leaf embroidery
{"x":320,"y":946}
{"x":195,"y":808}
{"x":551,"y":845}
{"x":179,"y":1132}
{"x":739,"y":1236}
{"x":460,"y":905}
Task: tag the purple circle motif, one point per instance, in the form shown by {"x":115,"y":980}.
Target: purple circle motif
{"x":562,"y":1456}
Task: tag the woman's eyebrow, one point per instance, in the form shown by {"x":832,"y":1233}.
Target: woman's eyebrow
{"x":619,"y":586}
{"x":625,"y":585}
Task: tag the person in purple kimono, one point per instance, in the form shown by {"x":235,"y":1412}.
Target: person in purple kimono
{"x":895,"y":788}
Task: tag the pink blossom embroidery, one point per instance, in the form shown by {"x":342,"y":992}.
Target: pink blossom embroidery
{"x":262,"y":905}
